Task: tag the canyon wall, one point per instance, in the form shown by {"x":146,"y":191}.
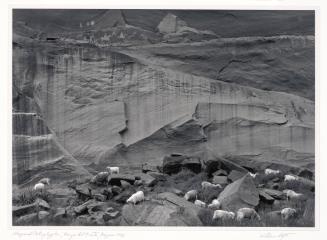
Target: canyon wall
{"x":104,"y":107}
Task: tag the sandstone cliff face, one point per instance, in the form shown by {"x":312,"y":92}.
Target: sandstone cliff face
{"x":124,"y":108}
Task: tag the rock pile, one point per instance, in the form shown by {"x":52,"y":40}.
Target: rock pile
{"x":220,"y":188}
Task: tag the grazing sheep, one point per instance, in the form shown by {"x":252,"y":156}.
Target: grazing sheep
{"x":136,"y":197}
{"x":247,"y":213}
{"x":191,"y":195}
{"x":215,"y":204}
{"x":289,"y":178}
{"x":113,"y":170}
{"x":288,"y":213}
{"x":45,"y":181}
{"x":39,"y":186}
{"x":269,"y":171}
{"x":253,"y":175}
{"x":206,"y":185}
{"x":223,"y":215}
{"x":291,"y":195}
{"x":200,"y":203}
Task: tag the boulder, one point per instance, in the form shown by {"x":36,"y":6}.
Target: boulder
{"x":188,"y":212}
{"x":84,"y":192}
{"x":43,"y":214}
{"x":306,"y":173}
{"x":124,"y":184}
{"x":213,"y":163}
{"x":29,"y":208}
{"x":176,"y":162}
{"x":115,"y":179}
{"x":95,"y":218}
{"x":146,"y":214}
{"x":23,"y":210}
{"x":274,"y":193}
{"x":100,"y":197}
{"x":307,"y":183}
{"x":222,"y":180}
{"x":193,"y":164}
{"x":100,"y":178}
{"x":108,"y":193}
{"x":110,"y":215}
{"x":264,"y":197}
{"x":241,"y":193}
{"x":81,"y":209}
{"x":123,"y":196}
{"x":148,"y":180}
{"x":235,"y":175}
{"x":149,"y":168}
{"x":60,"y":213}
{"x":172,"y":164}
{"x":176,"y":191}
{"x":220,"y":172}
{"x":116,"y":190}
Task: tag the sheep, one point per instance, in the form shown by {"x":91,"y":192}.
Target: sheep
{"x":291,"y":195}
{"x":247,"y":213}
{"x":253,"y":175}
{"x":136,"y":197}
{"x":191,"y":195}
{"x":206,"y":185}
{"x":200,"y":203}
{"x":45,"y":181}
{"x":288,"y":213}
{"x":289,"y":178}
{"x":223,"y":215}
{"x":39,"y":186}
{"x":215,"y":204}
{"x":269,"y":171}
{"x":113,"y":170}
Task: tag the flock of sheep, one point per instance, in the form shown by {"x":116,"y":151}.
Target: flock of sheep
{"x":241,"y":214}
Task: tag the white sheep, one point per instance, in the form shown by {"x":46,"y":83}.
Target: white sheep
{"x":206,"y":185}
{"x":191,"y":195}
{"x":291,"y":195}
{"x":113,"y":170}
{"x":45,"y":181}
{"x":269,"y":171}
{"x":136,"y":197}
{"x":215,"y":204}
{"x":253,"y":175}
{"x":200,"y":203}
{"x":223,"y":215}
{"x":247,"y":213}
{"x":288,"y":213}
{"x":39,"y":186}
{"x":289,"y":178}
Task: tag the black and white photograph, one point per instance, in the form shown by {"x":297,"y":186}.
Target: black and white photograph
{"x":163,"y":117}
